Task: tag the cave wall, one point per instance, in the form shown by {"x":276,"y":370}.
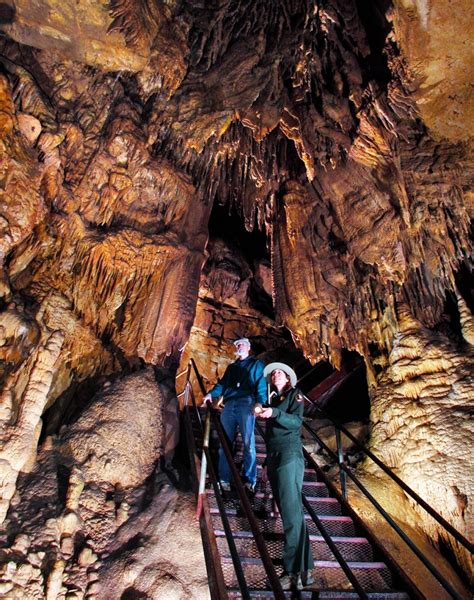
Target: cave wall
{"x":341,"y":133}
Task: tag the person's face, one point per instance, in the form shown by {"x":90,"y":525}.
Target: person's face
{"x":242,"y":349}
{"x":279,"y":379}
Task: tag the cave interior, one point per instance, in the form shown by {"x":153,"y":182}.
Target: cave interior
{"x":175,"y":174}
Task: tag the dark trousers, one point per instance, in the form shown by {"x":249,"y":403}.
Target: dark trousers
{"x":286,"y":472}
{"x":238,"y":414}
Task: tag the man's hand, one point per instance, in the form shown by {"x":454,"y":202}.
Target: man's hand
{"x":266,"y":413}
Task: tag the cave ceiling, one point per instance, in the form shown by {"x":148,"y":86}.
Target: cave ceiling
{"x":342,"y":131}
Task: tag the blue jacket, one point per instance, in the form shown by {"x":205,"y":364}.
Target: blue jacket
{"x":242,"y":379}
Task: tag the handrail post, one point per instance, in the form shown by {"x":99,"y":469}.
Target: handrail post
{"x":340,"y":460}
{"x":202,"y":478}
{"x":217,"y":585}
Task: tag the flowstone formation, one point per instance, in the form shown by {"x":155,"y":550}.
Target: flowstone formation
{"x":420,"y":421}
{"x":338,"y":130}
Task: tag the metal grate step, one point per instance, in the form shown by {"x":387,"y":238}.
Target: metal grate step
{"x":235,"y":594}
{"x":321,"y":506}
{"x":353,"y":549}
{"x":328,"y":575}
{"x":335,"y":525}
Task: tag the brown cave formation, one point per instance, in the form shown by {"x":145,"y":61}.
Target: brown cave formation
{"x":177,"y":174}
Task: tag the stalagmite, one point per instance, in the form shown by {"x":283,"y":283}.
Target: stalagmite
{"x":55,"y":580}
{"x":20,"y":438}
{"x":418,"y":424}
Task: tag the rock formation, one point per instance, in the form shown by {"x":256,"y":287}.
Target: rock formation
{"x":340,"y":132}
{"x":419,"y":416}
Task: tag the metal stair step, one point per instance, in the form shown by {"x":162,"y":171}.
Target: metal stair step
{"x":328,"y":575}
{"x":235,"y":594}
{"x":321,"y":506}
{"x":352,"y":548}
{"x":341,"y":595}
{"x":311,"y":495}
{"x":335,"y":525}
{"x":310,"y":488}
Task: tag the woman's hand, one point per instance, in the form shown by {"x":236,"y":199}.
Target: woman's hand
{"x":266,"y":413}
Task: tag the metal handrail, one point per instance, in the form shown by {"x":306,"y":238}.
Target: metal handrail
{"x":223,"y":513}
{"x":389,"y":520}
{"x":447,"y":526}
{"x":334,"y":549}
{"x":258,"y":537}
{"x":216,"y":577}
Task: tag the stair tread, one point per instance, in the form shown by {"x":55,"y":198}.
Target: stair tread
{"x":322,"y":594}
{"x":234,"y":511}
{"x":312,"y":537}
{"x":322,"y":564}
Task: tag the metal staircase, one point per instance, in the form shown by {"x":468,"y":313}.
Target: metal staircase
{"x":243,"y":537}
{"x":330,"y":580}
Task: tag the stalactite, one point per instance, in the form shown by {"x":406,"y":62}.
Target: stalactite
{"x":121,"y":128}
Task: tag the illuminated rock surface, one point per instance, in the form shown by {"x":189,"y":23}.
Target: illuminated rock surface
{"x":174,"y":176}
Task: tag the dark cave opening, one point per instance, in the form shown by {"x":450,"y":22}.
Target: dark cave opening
{"x":226,"y":224}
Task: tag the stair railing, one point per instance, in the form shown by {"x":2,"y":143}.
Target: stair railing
{"x":249,"y":514}
{"x":220,"y":502}
{"x":406,"y":488}
{"x":217,"y":586}
{"x":338,"y":458}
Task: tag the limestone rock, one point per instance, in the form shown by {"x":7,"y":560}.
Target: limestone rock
{"x":419,"y":426}
{"x":435,"y":44}
{"x":167,"y":563}
{"x":108,"y":444}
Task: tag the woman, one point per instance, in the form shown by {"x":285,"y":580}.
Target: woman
{"x":285,"y":468}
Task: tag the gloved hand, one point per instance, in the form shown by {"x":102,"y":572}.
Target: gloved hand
{"x":207,"y":399}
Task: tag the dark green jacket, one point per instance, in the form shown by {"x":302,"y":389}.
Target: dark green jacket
{"x":242,"y":379}
{"x":283,"y":429}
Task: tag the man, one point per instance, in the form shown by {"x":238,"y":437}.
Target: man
{"x":242,"y":386}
